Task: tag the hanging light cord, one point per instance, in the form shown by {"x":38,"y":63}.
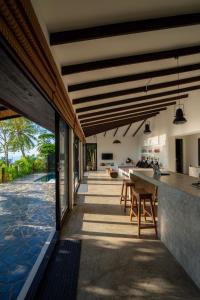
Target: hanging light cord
{"x":178,"y":75}
{"x":146,"y":90}
{"x":146,"y":86}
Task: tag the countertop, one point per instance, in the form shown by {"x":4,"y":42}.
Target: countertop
{"x":178,"y":181}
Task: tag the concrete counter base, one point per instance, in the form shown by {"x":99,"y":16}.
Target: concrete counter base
{"x":179,"y":224}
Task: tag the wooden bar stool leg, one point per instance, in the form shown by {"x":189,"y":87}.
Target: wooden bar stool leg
{"x":125,"y":198}
{"x":131,"y":212}
{"x":144,"y":209}
{"x":153,"y":215}
{"x":132,"y":207}
{"x":139,"y":215}
{"x":122,"y":193}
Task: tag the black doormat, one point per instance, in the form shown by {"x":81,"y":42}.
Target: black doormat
{"x":61,"y":276}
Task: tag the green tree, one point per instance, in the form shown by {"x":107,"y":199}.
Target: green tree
{"x":46,"y":144}
{"x":23,"y":134}
{"x":5,"y":139}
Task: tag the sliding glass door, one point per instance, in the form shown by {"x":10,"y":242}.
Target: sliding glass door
{"x":76,"y":162}
{"x":63,"y":167}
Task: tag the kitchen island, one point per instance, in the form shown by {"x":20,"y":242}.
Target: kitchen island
{"x":178,"y":217}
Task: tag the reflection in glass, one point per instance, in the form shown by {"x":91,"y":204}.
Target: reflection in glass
{"x":63,"y":167}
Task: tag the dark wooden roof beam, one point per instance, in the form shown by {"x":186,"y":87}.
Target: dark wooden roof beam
{"x":115,"y":132}
{"x":137,"y":99}
{"x":100,"y":123}
{"x":140,"y":89}
{"x":134,"y":134}
{"x":127,"y":129}
{"x":133,"y":77}
{"x":98,"y":129}
{"x":128,"y":60}
{"x":127,"y":112}
{"x":103,"y":31}
{"x":104,"y":113}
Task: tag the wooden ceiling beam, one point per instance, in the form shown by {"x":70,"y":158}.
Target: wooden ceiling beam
{"x":134,"y":134}
{"x":128,"y":112}
{"x":126,"y":131}
{"x":115,"y":132}
{"x":131,"y":27}
{"x":119,"y":119}
{"x":99,"y":122}
{"x":133,"y":77}
{"x":128,"y":60}
{"x":123,"y":108}
{"x":137,"y":99}
{"x":140,"y":89}
{"x":98,"y":129}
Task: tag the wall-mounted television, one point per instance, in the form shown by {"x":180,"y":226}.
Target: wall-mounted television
{"x":107,"y":156}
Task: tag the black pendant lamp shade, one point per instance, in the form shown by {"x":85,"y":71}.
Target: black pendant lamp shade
{"x":147,"y":128}
{"x":116,"y":142}
{"x":179,"y":117}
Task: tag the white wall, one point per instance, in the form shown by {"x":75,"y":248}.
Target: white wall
{"x":163,"y":125}
{"x":127,"y":148}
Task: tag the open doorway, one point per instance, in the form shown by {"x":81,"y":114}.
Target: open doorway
{"x":179,"y":155}
{"x":91,"y":157}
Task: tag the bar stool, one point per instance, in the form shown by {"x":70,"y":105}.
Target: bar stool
{"x":127,"y":184}
{"x":140,"y":197}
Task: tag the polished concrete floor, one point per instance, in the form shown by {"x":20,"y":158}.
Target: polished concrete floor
{"x":115,"y":264}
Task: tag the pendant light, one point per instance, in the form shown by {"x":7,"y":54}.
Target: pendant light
{"x":116,"y":142}
{"x":179,"y":115}
{"x":147,"y":129}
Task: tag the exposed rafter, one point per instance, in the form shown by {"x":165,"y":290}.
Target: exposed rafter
{"x":125,"y":116}
{"x":129,"y":107}
{"x":140,"y":126}
{"x":122,"y":118}
{"x":136,"y":90}
{"x":115,"y":132}
{"x":127,"y":112}
{"x":127,"y":129}
{"x":103,"y":31}
{"x":133,"y":77}
{"x":127,"y":60}
{"x":137,"y":99}
{"x":98,"y":129}
{"x":119,"y":120}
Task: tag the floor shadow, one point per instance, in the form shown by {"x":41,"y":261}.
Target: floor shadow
{"x":115,"y":263}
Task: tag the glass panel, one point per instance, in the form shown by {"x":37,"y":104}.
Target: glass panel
{"x":76,"y":162}
{"x":27,"y":201}
{"x":63,"y":164}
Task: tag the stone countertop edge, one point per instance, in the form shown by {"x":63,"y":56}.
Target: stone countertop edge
{"x":158,"y":180}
